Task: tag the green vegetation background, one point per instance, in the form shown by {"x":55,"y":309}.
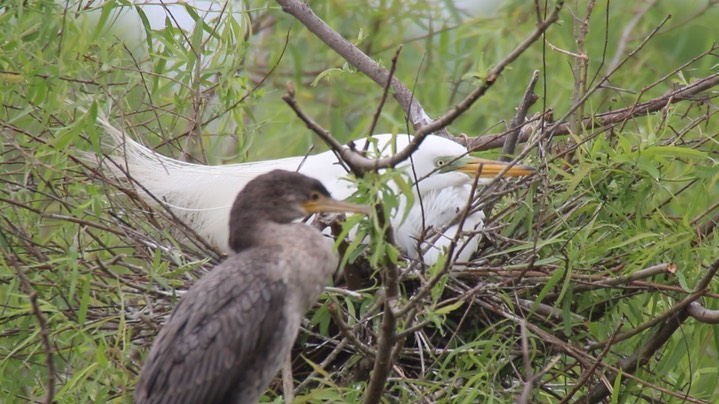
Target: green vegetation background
{"x":625,"y":199}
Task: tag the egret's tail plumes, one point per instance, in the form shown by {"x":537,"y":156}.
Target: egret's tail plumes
{"x":199,"y":195}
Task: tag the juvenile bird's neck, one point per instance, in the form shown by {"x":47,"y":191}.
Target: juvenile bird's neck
{"x":249,"y":229}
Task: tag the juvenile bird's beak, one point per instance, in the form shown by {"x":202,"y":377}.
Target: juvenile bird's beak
{"x":326,"y":204}
{"x":490,"y":168}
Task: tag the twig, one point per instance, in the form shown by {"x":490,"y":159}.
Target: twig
{"x":325,"y":363}
{"x":511,"y":140}
{"x":528,"y":376}
{"x":581,"y":66}
{"x":44,"y":334}
{"x":589,"y":372}
{"x":620,"y":280}
{"x":627,"y":32}
{"x":349,"y":334}
{"x":609,"y":118}
{"x":454,"y":112}
{"x":288,"y":389}
{"x":385,"y":90}
{"x":661,"y":319}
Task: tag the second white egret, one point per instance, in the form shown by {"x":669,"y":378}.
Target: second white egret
{"x":202,"y":195}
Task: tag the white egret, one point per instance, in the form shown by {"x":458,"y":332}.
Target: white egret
{"x":202,"y":195}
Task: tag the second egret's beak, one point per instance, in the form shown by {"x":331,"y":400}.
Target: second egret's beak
{"x":489,"y":168}
{"x":327,"y":204}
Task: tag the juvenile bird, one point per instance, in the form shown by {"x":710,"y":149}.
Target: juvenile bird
{"x":232,"y":330}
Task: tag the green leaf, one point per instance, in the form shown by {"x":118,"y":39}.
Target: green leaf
{"x":449,"y":308}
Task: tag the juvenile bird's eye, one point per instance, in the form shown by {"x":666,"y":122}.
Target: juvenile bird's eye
{"x":314,"y":196}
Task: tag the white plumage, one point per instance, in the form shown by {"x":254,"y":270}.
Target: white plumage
{"x":202,"y":195}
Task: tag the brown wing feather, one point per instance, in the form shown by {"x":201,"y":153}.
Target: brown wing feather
{"x":223,"y":330}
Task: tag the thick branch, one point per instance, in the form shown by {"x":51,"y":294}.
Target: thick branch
{"x":702,"y":314}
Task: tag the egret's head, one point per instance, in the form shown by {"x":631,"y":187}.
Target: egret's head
{"x":440,"y":163}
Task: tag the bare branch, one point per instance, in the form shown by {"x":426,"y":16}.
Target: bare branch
{"x":511,"y":141}
{"x":44,"y":334}
{"x":687,"y":92}
{"x":702,"y":314}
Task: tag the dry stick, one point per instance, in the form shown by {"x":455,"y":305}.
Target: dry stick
{"x":253,"y":90}
{"x":385,"y":91}
{"x":288,"y":383}
{"x":663,"y":318}
{"x":673,"y":320}
{"x":58,"y":216}
{"x":348,"y":333}
{"x":492,"y":77}
{"x":528,"y":376}
{"x":581,"y":67}
{"x":325,"y":363}
{"x":625,"y":279}
{"x":512,"y":139}
{"x":580,"y":102}
{"x":546,"y":310}
{"x":703,"y":230}
{"x":44,"y":335}
{"x":627,"y":33}
{"x":707,"y":228}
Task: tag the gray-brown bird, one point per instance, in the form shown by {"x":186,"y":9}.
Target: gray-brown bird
{"x":233,"y":329}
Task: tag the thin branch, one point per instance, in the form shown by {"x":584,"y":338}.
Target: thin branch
{"x":511,"y":141}
{"x":44,"y":333}
{"x":385,"y":90}
{"x":687,"y":92}
{"x":528,"y":376}
{"x":348,"y":333}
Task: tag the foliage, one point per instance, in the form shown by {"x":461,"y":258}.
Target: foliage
{"x":88,"y":270}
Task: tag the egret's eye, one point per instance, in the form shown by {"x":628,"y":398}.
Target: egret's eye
{"x":315,"y":196}
{"x":440,"y":163}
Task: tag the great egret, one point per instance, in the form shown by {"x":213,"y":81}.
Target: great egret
{"x":202,"y":195}
{"x":232,"y":330}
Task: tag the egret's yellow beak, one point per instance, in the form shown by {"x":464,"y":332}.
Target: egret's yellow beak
{"x":489,"y":168}
{"x":327,"y":204}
